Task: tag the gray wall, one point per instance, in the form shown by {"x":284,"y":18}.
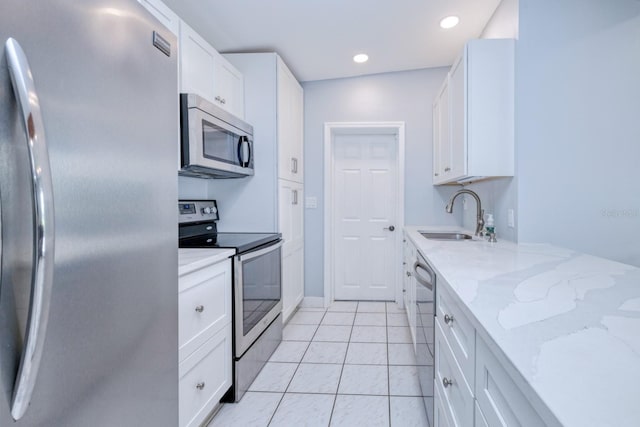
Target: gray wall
{"x":578,"y":125}
{"x":404,"y":96}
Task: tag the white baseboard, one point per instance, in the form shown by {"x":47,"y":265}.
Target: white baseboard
{"x":314,"y":302}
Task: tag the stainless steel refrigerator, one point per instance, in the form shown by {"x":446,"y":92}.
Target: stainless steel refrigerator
{"x":88,"y":189}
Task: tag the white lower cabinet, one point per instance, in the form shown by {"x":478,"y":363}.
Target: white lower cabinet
{"x":409,"y":286}
{"x":458,"y":329}
{"x":439,"y":412}
{"x":453,"y":388}
{"x":472,"y":387}
{"x":498,"y":397}
{"x":204,"y":377}
{"x":204,"y":341}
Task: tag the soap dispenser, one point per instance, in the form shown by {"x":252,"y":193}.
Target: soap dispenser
{"x":491,"y":230}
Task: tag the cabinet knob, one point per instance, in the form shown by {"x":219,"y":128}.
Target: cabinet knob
{"x":390,"y":228}
{"x":217,"y":98}
{"x":447,"y":169}
{"x":408,"y":274}
{"x":200,"y":308}
{"x":446,"y":382}
{"x":448,"y":319}
{"x":224,"y":101}
{"x":436,"y":174}
{"x":200,"y":386}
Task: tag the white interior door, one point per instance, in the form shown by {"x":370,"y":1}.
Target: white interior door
{"x":365,"y":181}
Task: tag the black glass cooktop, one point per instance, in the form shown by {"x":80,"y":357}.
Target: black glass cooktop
{"x":241,"y":242}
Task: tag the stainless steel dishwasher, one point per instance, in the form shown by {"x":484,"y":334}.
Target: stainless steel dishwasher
{"x":425,"y":308}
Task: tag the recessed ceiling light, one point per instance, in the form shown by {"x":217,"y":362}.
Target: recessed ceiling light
{"x":361,"y":57}
{"x":449,"y":22}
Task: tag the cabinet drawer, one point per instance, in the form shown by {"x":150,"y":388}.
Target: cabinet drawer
{"x":456,"y":396}
{"x":204,"y":377}
{"x":204,"y":305}
{"x":499,"y":398}
{"x":439,"y":413}
{"x":458,"y":330}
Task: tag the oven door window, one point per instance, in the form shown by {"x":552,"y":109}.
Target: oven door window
{"x":261,"y":287}
{"x":219,"y":144}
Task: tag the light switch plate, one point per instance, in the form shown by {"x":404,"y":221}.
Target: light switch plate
{"x":311,"y":202}
{"x":511,"y":220}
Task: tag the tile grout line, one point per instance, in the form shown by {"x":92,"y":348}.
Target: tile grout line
{"x":296,"y":371}
{"x":335,"y":397}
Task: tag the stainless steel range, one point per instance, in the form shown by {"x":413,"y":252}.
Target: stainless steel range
{"x":257,"y":287}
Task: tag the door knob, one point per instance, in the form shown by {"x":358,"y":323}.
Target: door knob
{"x":390,"y":228}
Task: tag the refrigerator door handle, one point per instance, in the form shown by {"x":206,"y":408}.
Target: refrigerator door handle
{"x":43,"y":226}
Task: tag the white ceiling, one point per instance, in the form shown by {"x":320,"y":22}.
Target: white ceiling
{"x":318,"y":38}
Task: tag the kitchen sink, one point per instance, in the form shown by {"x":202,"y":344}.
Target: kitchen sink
{"x":445,"y":235}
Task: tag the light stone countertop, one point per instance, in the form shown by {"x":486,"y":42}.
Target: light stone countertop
{"x":190,"y":260}
{"x":569,"y":323}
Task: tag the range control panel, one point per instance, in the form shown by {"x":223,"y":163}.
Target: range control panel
{"x":197,"y":210}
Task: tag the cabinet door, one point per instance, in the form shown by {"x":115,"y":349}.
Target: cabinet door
{"x":457,"y":328}
{"x":457,"y":97}
{"x":292,"y":229}
{"x":451,"y":386}
{"x":163,"y":14}
{"x":442,"y":145}
{"x":410,"y":288}
{"x":499,"y":398}
{"x":204,"y":305}
{"x":228,"y":87}
{"x":197,"y":63}
{"x":205,"y":377}
{"x":290,"y":125}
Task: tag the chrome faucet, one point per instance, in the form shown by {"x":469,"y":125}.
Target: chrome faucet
{"x":480,"y":212}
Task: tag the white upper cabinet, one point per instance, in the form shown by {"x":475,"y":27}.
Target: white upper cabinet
{"x":441,"y":135}
{"x":474,"y":131}
{"x":228,"y":87}
{"x":205,"y":72}
{"x":162,"y":12}
{"x":290,"y":125}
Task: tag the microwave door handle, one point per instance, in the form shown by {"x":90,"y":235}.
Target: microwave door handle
{"x":43,"y":227}
{"x":249,"y":152}
{"x":241,"y":157}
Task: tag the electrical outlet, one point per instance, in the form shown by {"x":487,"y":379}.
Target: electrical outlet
{"x":311,"y":202}
{"x":511,"y":219}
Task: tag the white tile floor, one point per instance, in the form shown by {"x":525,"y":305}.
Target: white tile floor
{"x":351,"y":365}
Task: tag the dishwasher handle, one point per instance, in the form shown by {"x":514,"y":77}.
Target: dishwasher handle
{"x":423,"y":266}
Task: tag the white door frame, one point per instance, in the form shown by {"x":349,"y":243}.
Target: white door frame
{"x":336,"y":128}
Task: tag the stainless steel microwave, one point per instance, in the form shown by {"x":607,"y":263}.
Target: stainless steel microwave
{"x":214,"y":143}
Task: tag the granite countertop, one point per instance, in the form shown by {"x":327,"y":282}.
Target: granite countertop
{"x":569,"y":323}
{"x":190,"y":260}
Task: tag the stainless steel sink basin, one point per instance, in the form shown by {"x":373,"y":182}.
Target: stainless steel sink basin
{"x":445,"y":235}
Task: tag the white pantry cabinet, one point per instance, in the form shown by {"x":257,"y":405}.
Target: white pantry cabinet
{"x":205,"y":72}
{"x":274,"y":105}
{"x":474,"y":115}
{"x":290,"y":125}
{"x":291,"y":196}
{"x":204,"y":340}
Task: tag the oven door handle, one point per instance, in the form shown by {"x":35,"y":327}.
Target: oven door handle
{"x":259,"y":252}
